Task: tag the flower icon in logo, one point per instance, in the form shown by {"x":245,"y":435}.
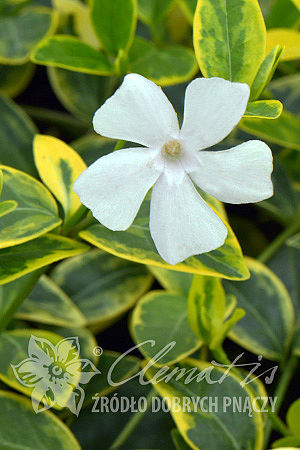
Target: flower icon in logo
{"x":55,"y":372}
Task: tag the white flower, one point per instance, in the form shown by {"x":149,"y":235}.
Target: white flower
{"x":54,"y":373}
{"x":181,"y":222}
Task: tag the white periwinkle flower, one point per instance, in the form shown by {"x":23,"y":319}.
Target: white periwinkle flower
{"x":181,"y":223}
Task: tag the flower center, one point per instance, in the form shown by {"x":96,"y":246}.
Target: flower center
{"x":57,"y":370}
{"x":171,"y":148}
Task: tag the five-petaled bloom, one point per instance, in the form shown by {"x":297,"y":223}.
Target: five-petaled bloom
{"x":54,"y":373}
{"x":182,"y":224}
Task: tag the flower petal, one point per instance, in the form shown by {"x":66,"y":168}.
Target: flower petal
{"x":68,"y":349}
{"x":139,"y":112}
{"x":213,"y":107}
{"x":239,"y":175}
{"x":42,"y":398}
{"x":29,"y":371}
{"x":84,"y":369}
{"x":181,"y":222}
{"x":76,"y":399}
{"x":42,"y":350}
{"x":114,"y":186}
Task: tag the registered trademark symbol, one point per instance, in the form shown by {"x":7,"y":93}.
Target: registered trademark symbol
{"x":98,"y":351}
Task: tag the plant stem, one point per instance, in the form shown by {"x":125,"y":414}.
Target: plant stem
{"x":204,"y":353}
{"x":221,"y":356}
{"x":82,"y":225}
{"x":120,"y":144}
{"x":279,"y":240}
{"x":131,"y":424}
{"x":77,"y":218}
{"x":283,"y":384}
{"x":278,"y":424}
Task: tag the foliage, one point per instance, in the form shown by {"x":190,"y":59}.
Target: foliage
{"x":64,"y":275}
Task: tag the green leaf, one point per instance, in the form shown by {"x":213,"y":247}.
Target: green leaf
{"x":103,"y":287}
{"x":12,"y":295}
{"x":230,"y":304}
{"x":20,"y":33}
{"x":253,"y":382}
{"x":266,"y":109}
{"x":11,"y":6}
{"x":180,"y":283}
{"x":7,"y":207}
{"x":293,"y":418}
{"x":80,"y":93}
{"x":59,"y":166}
{"x":269,"y":312}
{"x":287,"y":443}
{"x":178,"y":441}
{"x":48,"y":304}
{"x":36,"y":211}
{"x":265,"y":72}
{"x":206,"y":307}
{"x":165,"y":66}
{"x":68,"y":52}
{"x":236,"y":316}
{"x":287,"y":38}
{"x":113,"y":423}
{"x":216,"y":429}
{"x":92,"y":147}
{"x":286,"y":89}
{"x":15,"y":79}
{"x":81,"y":19}
{"x":25,"y":258}
{"x":284,"y":203}
{"x":151,"y":12}
{"x":86,"y":340}
{"x":284,"y":131}
{"x":123,"y":369}
{"x":283,"y":13}
{"x":229,"y":39}
{"x":286,"y":265}
{"x":297,"y":4}
{"x":114,"y":23}
{"x":17,"y":131}
{"x":20,"y":427}
{"x":14,"y":348}
{"x":171,"y":280}
{"x":290,"y":160}
{"x":294,"y":241}
{"x":189,"y":8}
{"x":149,"y":325}
{"x":296,"y":341}
{"x":136,"y":244}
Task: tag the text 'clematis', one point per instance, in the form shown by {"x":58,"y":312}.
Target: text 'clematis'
{"x":182,"y":224}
